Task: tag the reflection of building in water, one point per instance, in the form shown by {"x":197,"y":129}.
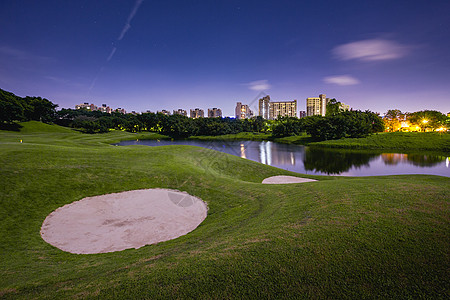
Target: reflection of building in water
{"x":265,"y":153}
{"x":447,"y":161}
{"x":269,"y":155}
{"x":393,"y":158}
{"x":243,"y":151}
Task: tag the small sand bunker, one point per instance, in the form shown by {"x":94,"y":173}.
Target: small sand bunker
{"x":115,"y":222}
{"x":285,"y":179}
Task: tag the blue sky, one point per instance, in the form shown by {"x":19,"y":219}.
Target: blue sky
{"x":153,"y":55}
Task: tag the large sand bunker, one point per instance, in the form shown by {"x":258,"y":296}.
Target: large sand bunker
{"x":285,"y":179}
{"x":115,"y":222}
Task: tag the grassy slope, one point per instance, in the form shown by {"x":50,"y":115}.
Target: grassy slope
{"x":339,"y":237}
{"x":249,"y":136}
{"x":397,"y":140}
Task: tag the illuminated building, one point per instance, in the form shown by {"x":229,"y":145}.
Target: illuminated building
{"x":180,"y":112}
{"x":214,"y":113}
{"x":164,"y":112}
{"x":197,"y":113}
{"x":84,"y":105}
{"x":92,"y":107}
{"x":282,"y":109}
{"x":271,"y":110}
{"x":243,"y":111}
{"x":318,"y":105}
{"x":264,"y":107}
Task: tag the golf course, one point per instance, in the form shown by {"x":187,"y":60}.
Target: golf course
{"x":334,"y":238}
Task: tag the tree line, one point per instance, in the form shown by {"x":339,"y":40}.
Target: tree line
{"x":336,"y":124}
{"x":15,"y":108}
{"x":175,"y":126}
{"x":396,"y":120}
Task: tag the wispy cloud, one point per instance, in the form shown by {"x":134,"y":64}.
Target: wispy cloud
{"x":371,"y":50}
{"x":22,"y":55}
{"x":127,"y":25}
{"x":95,"y":79}
{"x":125,"y":28}
{"x":259,"y":85}
{"x":111,"y":54}
{"x":341,"y":80}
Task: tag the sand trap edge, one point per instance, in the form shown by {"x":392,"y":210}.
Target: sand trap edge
{"x":281,"y":179}
{"x":174,"y":200}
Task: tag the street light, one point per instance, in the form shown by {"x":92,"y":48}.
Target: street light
{"x":425,"y":121}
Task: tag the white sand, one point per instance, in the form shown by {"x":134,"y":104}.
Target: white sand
{"x":115,"y":222}
{"x":285,"y":179}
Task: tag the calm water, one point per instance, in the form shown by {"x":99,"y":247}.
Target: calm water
{"x":307,"y":160}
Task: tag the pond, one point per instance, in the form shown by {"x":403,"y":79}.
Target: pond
{"x":307,"y":160}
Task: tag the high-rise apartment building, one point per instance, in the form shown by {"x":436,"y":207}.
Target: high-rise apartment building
{"x":243,"y":111}
{"x":180,"y":112}
{"x":197,"y":113}
{"x":301,"y":114}
{"x":316,"y":105}
{"x":264,"y":107}
{"x":282,"y":109}
{"x":164,"y":112}
{"x":84,"y":105}
{"x":271,"y":110}
{"x":93,"y":107}
{"x":105,"y":108}
{"x":214,"y":113}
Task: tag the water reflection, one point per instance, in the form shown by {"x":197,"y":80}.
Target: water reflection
{"x":265,"y":153}
{"x":322,"y":161}
{"x":275,"y":154}
{"x":415,"y":159}
{"x":243,"y":151}
{"x":335,"y":162}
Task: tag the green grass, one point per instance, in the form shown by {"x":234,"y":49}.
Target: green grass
{"x":248,"y":136}
{"x":396,"y":141}
{"x":429,"y":141}
{"x":366,"y":237}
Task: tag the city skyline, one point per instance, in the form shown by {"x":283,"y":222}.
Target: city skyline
{"x":142,"y":55}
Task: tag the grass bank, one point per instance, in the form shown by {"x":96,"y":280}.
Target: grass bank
{"x":367,"y":237}
{"x":396,"y":141}
{"x":428,"y":141}
{"x":248,"y":136}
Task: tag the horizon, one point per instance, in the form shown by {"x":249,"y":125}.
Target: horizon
{"x":140,"y":55}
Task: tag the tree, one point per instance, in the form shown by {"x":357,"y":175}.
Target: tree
{"x":393,"y":119}
{"x":287,"y":126}
{"x":11,"y":108}
{"x":350,"y":124}
{"x":334,"y":107}
{"x":427,"y":119}
{"x":40,"y":109}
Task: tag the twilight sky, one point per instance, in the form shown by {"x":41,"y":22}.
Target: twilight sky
{"x":152,"y":55}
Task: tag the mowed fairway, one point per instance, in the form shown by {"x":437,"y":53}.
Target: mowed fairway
{"x":336,"y":238}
